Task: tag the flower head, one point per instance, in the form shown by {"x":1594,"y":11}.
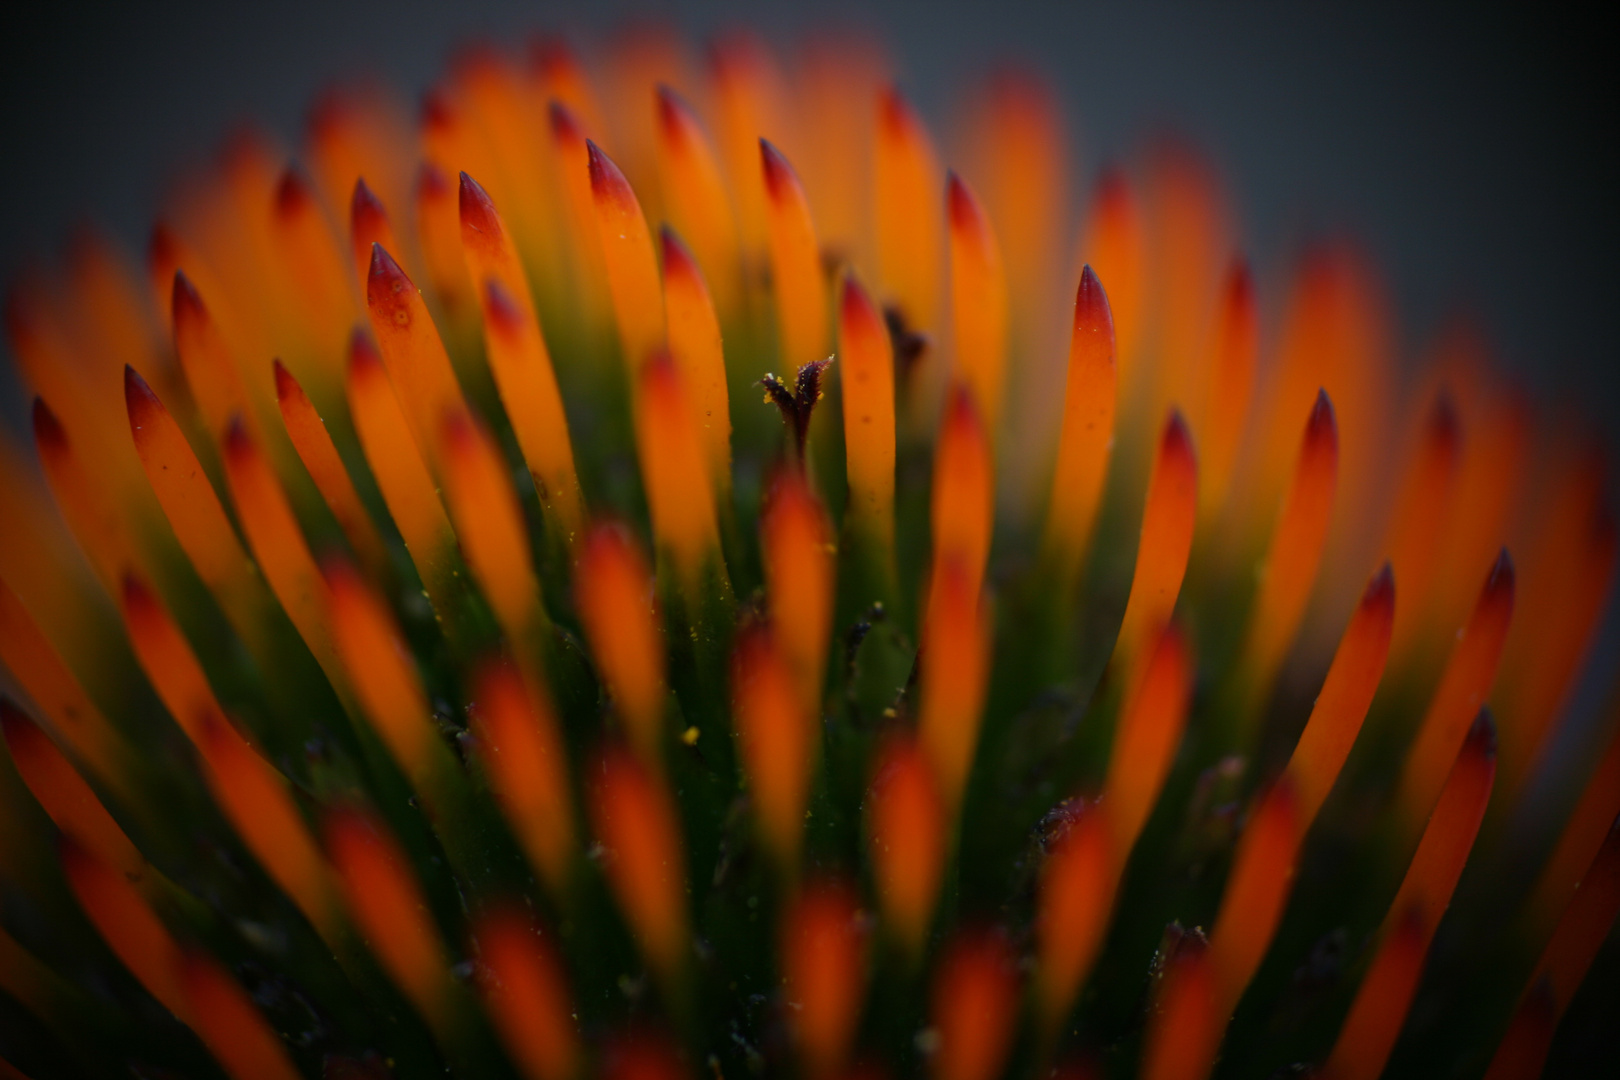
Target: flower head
{"x":425,"y":652}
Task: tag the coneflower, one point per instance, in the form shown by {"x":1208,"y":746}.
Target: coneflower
{"x":427,"y":654}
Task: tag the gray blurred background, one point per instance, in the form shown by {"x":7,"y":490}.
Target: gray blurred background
{"x":1475,"y":152}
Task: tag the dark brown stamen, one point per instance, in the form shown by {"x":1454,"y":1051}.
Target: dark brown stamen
{"x":797,"y":402}
{"x":909,"y":345}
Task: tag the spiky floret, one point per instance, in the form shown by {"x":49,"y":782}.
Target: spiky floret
{"x":496,"y":686}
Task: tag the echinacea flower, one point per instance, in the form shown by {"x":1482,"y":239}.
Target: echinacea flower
{"x":427,"y":654}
